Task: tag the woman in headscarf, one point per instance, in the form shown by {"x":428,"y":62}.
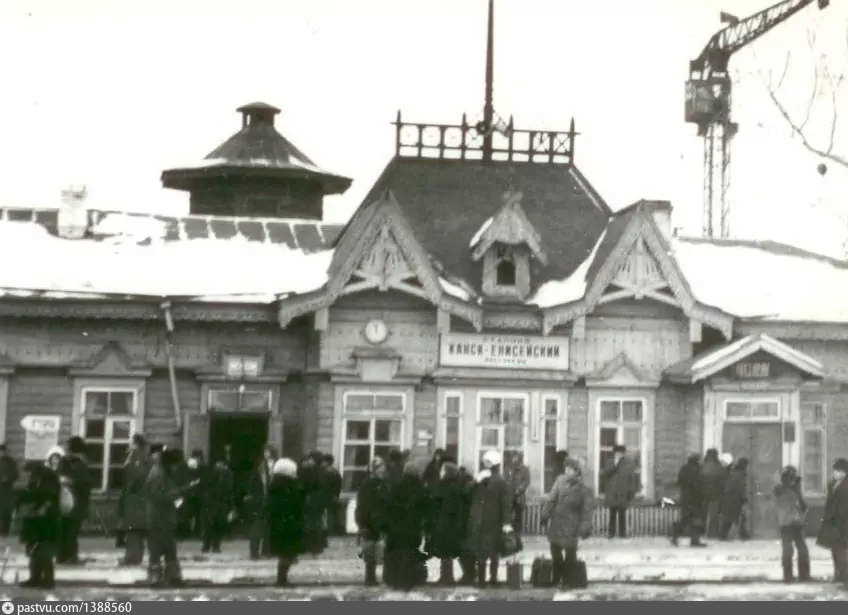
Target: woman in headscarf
{"x":285,"y":516}
{"x":568,"y":514}
{"x":404,"y":562}
{"x":40,"y":531}
{"x":490,"y":516}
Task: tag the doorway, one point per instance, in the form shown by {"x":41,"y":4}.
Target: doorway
{"x":761,"y":444}
{"x":245,"y":435}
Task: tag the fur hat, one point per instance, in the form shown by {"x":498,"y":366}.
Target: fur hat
{"x":841,"y":464}
{"x":726,"y":458}
{"x":284,"y":467}
{"x":492,"y":458}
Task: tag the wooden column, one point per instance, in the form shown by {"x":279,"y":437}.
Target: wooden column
{"x":695,"y":332}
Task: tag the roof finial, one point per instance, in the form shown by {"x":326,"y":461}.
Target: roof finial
{"x":489,"y":108}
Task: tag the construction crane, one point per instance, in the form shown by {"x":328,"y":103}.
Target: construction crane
{"x":708,"y":102}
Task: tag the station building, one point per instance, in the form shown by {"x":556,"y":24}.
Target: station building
{"x":484,"y":296}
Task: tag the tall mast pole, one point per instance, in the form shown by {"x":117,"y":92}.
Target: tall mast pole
{"x":489,"y":108}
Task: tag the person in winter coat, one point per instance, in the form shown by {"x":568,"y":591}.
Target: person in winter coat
{"x":734,"y":500}
{"x":40,"y":528}
{"x":432,"y":473}
{"x":791,"y":513}
{"x":568,"y":515}
{"x":73,"y":470}
{"x":372,"y":502}
{"x":285,"y":515}
{"x":833,"y":533}
{"x":192,"y":508}
{"x":691,"y":482}
{"x":332,"y":483}
{"x":216,"y":506}
{"x":133,"y":502}
{"x":404,"y":563}
{"x":467,"y":559}
{"x":449,"y":511}
{"x":315,"y":507}
{"x":517,"y":476}
{"x":714,"y":478}
{"x":394,"y":466}
{"x":163,"y":492}
{"x":621,"y":483}
{"x":8,"y":477}
{"x":489,"y":517}
{"x":257,"y":492}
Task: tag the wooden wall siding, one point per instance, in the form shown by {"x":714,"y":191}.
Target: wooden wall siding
{"x":390,"y":301}
{"x":833,"y":354}
{"x":424,"y":420}
{"x":412,"y":333}
{"x":159,"y":423}
{"x":693,"y":400}
{"x":652,"y":344}
{"x":293,"y":396}
{"x":323,"y":418}
{"x":670,"y":426}
{"x":37,"y":391}
{"x":642,"y":308}
{"x":60,"y":342}
{"x":578,"y":423}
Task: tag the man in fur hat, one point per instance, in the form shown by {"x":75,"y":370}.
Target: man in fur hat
{"x":73,"y":469}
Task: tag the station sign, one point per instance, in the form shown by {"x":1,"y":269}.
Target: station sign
{"x":503,"y":351}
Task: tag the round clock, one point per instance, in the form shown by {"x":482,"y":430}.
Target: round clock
{"x":376,"y":331}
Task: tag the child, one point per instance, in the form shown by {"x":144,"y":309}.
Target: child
{"x":40,"y":531}
{"x":791,"y":513}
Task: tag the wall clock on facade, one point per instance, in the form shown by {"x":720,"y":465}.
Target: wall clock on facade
{"x":376,"y":331}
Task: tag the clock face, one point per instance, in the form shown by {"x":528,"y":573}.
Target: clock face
{"x":376,"y":331}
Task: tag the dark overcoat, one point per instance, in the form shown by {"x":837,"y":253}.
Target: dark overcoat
{"x":75,"y":468}
{"x":449,"y":510}
{"x":372,"y":502}
{"x":406,"y":514}
{"x":490,"y":510}
{"x":833,"y":532}
{"x":8,"y":477}
{"x":568,"y":511}
{"x":134,"y":493}
{"x":622,"y":482}
{"x":314,"y":507}
{"x":715,"y":475}
{"x":162,"y":493}
{"x":691,"y":482}
{"x":735,"y":493}
{"x":284,"y":515}
{"x":217,"y":494}
{"x":40,"y":500}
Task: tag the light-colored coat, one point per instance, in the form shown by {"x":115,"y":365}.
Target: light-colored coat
{"x":568,"y":511}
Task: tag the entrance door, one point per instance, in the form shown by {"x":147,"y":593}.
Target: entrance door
{"x":761,"y":444}
{"x":246,"y":436}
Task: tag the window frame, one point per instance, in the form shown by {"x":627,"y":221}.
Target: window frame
{"x":371,"y":416}
{"x":82,"y":386}
{"x":645,"y":472}
{"x":442,"y":431}
{"x":271,"y":389}
{"x":560,"y":418}
{"x":525,"y":436}
{"x":822,"y":430}
{"x":777,"y":418}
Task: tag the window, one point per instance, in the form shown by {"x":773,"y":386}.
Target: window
{"x":505,"y":270}
{"x":550,"y":425}
{"x":373,"y":425}
{"x":451,"y":426}
{"x":813,"y":453}
{"x":108,"y":421}
{"x":763,"y":409}
{"x":239,"y":399}
{"x":501,"y":426}
{"x":621,"y":422}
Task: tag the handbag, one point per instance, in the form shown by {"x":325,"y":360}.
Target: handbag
{"x":514,"y":574}
{"x":510,"y":544}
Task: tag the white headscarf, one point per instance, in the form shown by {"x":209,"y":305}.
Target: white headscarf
{"x":285,"y":467}
{"x":54,"y":450}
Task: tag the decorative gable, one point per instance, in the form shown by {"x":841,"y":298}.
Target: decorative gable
{"x":384,"y":266}
{"x":621,"y":372}
{"x":639,"y":276}
{"x":506,"y":243}
{"x":110,"y":361}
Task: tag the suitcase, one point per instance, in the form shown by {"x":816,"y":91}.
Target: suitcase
{"x":542,"y":572}
{"x":577,"y":577}
{"x":514,"y":572}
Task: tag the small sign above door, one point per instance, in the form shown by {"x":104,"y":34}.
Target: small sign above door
{"x":759,"y":369}
{"x":523,"y":351}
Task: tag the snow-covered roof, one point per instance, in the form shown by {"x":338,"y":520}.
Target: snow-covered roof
{"x":572,"y":288}
{"x":764,"y":280}
{"x":483,"y":228}
{"x":135,"y":255}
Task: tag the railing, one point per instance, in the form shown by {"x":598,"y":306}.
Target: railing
{"x":641,"y":520}
{"x":464,"y":141}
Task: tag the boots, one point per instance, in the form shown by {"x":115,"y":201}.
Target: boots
{"x":467,"y":564}
{"x":35,"y":569}
{"x":283,"y":573}
{"x":675,"y":533}
{"x":803,"y":569}
{"x":493,"y":572}
{"x":370,"y":574}
{"x":48,"y":580}
{"x":173,"y":575}
{"x":788,"y":577}
{"x":481,"y":574}
{"x":156,"y":575}
{"x":446,"y":572}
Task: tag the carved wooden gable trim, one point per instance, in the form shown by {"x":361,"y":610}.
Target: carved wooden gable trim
{"x":510,"y":226}
{"x":112,"y":361}
{"x":621,"y":372}
{"x":380,"y":251}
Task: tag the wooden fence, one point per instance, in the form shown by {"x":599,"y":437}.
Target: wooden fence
{"x":641,"y":520}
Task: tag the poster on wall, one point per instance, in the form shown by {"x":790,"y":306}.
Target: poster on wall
{"x":522,"y":351}
{"x":41,"y":433}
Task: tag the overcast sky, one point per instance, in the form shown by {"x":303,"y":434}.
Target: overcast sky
{"x":110,"y":92}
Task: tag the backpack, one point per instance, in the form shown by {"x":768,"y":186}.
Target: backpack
{"x":66,"y":500}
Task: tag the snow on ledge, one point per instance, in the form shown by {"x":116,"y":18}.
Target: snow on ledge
{"x":479,"y":234}
{"x":572,"y":288}
{"x":454,"y":290}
